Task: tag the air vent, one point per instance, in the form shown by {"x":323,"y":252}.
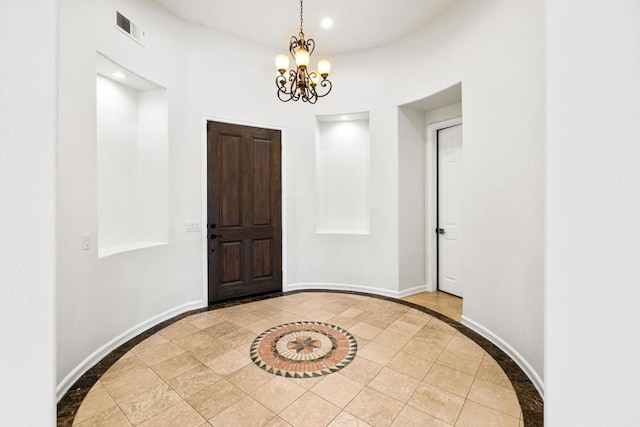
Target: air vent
{"x":125,"y":25}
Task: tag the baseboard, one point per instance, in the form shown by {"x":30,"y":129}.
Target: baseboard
{"x":100,"y":353}
{"x":412,"y":291}
{"x":355,"y":288}
{"x":510,"y":351}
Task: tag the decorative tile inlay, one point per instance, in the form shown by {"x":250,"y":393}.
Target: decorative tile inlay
{"x":303,"y":349}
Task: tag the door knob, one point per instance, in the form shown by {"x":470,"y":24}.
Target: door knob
{"x":214,"y":236}
{"x":440,"y":230}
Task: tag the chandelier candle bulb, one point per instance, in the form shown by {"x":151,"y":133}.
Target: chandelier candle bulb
{"x":324,"y":68}
{"x":302,"y":58}
{"x":282,"y":63}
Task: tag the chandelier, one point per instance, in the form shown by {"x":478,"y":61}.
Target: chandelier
{"x":302,"y":83}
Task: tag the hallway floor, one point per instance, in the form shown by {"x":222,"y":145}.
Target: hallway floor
{"x":216,"y":368}
{"x":441,"y":302}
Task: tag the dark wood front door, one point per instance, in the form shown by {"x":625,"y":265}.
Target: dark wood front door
{"x":244,"y":211}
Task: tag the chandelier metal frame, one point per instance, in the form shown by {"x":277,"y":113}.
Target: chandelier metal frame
{"x":302,"y":84}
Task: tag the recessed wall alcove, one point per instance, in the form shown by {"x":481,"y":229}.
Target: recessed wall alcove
{"x":342,"y":174}
{"x":132,"y":149}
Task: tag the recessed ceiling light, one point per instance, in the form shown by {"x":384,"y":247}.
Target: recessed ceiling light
{"x":343,"y":118}
{"x":326,"y":22}
{"x":118,"y":75}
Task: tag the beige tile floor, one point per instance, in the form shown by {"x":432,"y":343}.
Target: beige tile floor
{"x":410,"y":370}
{"x":441,"y":302}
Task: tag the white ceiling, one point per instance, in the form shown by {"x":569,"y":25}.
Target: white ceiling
{"x":358,"y":24}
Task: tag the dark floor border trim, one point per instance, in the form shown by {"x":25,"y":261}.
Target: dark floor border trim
{"x":530,"y":400}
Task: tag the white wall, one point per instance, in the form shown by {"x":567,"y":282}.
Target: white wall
{"x":593,"y":213}
{"x":117,"y":161}
{"x":503,"y":178}
{"x":342,"y":177}
{"x":444,"y":113}
{"x":330,"y":259}
{"x":411,"y":195}
{"x":132,"y":156}
{"x":100,"y":299}
{"x":27,"y":211}
{"x":153,"y":161}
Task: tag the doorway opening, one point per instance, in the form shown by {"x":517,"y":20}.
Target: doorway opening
{"x":448,"y":216}
{"x":419,"y":123}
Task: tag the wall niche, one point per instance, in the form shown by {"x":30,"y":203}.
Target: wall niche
{"x":342,"y":174}
{"x":132,"y":160}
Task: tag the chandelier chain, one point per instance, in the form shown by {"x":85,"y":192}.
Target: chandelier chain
{"x":301,"y":32}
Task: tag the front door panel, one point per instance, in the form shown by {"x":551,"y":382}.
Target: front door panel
{"x":244,"y":211}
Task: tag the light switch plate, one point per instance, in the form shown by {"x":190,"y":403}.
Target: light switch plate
{"x":86,"y":241}
{"x":192,"y":226}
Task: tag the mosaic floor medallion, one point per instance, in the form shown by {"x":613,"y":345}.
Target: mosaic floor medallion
{"x":303,"y":349}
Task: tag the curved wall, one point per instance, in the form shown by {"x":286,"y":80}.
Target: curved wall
{"x":494,"y":48}
{"x":98,"y":300}
{"x":27,"y":211}
{"x":593,"y":213}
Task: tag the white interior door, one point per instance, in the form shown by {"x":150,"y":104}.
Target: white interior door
{"x":449,"y":221}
